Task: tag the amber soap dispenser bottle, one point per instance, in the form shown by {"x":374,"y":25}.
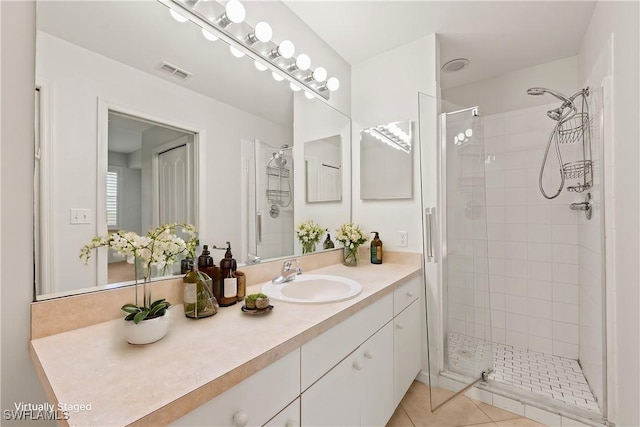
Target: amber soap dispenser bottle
{"x":376,"y":249}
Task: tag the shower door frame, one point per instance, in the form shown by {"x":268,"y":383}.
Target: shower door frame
{"x":440,"y":256}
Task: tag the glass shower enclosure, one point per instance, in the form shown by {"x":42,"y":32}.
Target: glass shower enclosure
{"x":456,"y":241}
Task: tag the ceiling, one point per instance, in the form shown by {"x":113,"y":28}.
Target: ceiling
{"x":496,"y":36}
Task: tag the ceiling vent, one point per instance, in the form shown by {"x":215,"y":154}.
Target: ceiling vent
{"x":455,"y":65}
{"x":176,"y":72}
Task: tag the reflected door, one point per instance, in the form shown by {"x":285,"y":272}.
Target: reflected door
{"x":173,"y":185}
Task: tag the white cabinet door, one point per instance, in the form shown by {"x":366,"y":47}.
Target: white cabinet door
{"x":289,"y":417}
{"x":407,"y":349}
{"x":335,"y":399}
{"x":377,"y":404}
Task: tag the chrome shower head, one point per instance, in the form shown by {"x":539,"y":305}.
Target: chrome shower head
{"x":536,"y":91}
{"x":558,"y":113}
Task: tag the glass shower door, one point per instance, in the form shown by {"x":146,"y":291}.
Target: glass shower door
{"x":465,"y":329}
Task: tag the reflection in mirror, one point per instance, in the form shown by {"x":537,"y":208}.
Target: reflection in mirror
{"x":385,"y":161}
{"x":323,"y":166}
{"x":93,"y":57}
{"x":150,"y":181}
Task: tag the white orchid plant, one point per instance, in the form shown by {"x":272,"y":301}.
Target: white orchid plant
{"x":309,"y":234}
{"x":159,"y":248}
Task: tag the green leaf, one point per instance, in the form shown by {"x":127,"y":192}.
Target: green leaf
{"x":160,"y":301}
{"x":130,"y":316}
{"x":157,"y":308}
{"x":140,"y":316}
{"x":130,"y":308}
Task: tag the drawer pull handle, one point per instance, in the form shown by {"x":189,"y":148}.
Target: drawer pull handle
{"x":368,"y":354}
{"x":410,"y":294}
{"x":400,"y":326}
{"x":357,"y":365}
{"x":291,"y":423}
{"x":240,"y":419}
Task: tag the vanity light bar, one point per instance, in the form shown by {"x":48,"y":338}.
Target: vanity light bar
{"x":389,"y":139}
{"x":313,"y":81}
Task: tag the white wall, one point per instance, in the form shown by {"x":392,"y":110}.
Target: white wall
{"x":507,"y":92}
{"x":77,"y":78}
{"x":385,"y":89}
{"x":533,"y":242}
{"x":17,"y":37}
{"x":619,"y":21}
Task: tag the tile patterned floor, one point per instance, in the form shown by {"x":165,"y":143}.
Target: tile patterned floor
{"x":555,"y":377}
{"x":415,"y":411}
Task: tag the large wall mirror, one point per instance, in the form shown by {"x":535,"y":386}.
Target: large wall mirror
{"x":141,"y":120}
{"x":386,"y":161}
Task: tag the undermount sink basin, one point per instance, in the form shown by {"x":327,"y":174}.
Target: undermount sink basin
{"x":313,"y":289}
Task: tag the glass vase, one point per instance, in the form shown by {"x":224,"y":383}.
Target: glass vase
{"x":308,"y":248}
{"x":350,"y":256}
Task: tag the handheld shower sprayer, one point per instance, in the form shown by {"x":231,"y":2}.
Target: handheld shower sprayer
{"x":557,"y":114}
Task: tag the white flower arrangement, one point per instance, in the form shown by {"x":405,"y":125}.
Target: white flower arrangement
{"x":350,"y":235}
{"x":160,"y":247}
{"x":309,"y":234}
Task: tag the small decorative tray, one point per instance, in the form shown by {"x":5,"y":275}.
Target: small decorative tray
{"x":256,"y":310}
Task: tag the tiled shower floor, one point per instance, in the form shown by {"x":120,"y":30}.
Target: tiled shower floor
{"x":555,"y":377}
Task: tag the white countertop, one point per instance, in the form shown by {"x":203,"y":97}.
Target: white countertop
{"x":198,"y":359}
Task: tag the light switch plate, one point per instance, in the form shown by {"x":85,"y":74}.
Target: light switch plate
{"x":79,"y":216}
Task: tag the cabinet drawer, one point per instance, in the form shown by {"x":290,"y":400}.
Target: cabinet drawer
{"x":256,"y":399}
{"x":406,"y":294}
{"x":326,"y":350}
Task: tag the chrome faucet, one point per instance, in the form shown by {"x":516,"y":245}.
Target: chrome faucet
{"x":288,"y":273}
{"x":253,"y":259}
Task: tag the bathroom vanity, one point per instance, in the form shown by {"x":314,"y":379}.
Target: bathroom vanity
{"x":343,"y":363}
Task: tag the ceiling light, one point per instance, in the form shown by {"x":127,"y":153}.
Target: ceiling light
{"x":320,"y":74}
{"x":286,"y":49}
{"x":333,"y":84}
{"x":175,"y":15}
{"x":233,"y":12}
{"x":279,"y":57}
{"x":261,"y":33}
{"x":235,"y":52}
{"x":209,"y":36}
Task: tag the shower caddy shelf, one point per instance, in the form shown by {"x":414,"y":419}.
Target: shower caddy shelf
{"x":573,"y":128}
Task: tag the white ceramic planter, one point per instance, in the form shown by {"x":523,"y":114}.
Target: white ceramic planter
{"x":147,"y":331}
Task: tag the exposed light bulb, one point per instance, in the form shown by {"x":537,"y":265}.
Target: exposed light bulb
{"x":320,"y":74}
{"x":468,"y":133}
{"x":303,"y":62}
{"x":263,"y":32}
{"x":294,"y":87}
{"x":333,"y":84}
{"x":259,"y":66}
{"x":178,"y":17}
{"x":461,"y":136}
{"x":235,"y":11}
{"x":286,"y":49}
{"x":209,"y":36}
{"x":308,"y":95}
{"x":235,"y":52}
{"x":277,"y":77}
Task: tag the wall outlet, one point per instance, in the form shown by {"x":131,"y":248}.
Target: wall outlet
{"x":403,"y":239}
{"x":79,"y":216}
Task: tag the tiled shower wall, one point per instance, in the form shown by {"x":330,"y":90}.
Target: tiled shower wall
{"x":533,"y":243}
